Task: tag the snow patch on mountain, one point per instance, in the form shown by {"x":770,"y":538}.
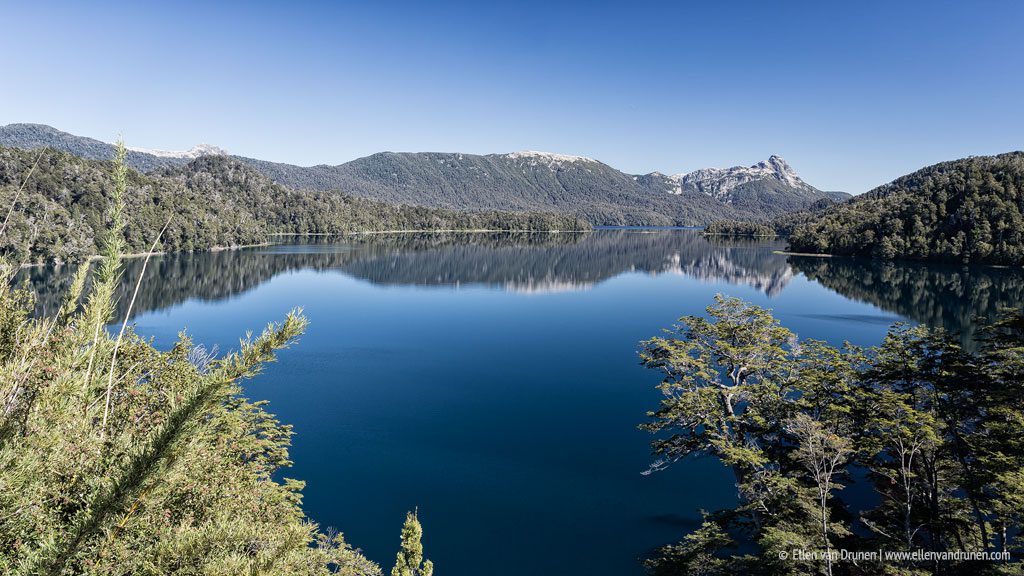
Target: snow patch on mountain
{"x":195,"y":152}
{"x":548,"y":158}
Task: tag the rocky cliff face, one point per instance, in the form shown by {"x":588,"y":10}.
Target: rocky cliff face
{"x":719,"y":183}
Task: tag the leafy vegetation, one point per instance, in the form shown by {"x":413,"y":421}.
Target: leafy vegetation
{"x":932,"y":428}
{"x":117,"y":458}
{"x":969,"y":210}
{"x":739,"y":228}
{"x":213,"y":201}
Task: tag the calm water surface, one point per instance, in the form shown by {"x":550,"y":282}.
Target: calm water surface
{"x":492,"y":380}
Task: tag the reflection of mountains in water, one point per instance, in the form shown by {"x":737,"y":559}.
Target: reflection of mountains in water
{"x":580,"y":262}
{"x":937,"y":295}
{"x":527,"y":262}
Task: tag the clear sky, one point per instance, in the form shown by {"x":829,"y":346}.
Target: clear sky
{"x":852,"y":94}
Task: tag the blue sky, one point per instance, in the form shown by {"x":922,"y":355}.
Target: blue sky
{"x":851,"y":94}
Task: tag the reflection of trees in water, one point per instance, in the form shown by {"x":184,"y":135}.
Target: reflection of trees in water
{"x":937,"y":295}
{"x":521,"y":262}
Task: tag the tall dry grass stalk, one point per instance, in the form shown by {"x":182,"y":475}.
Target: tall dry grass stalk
{"x":124,"y":325}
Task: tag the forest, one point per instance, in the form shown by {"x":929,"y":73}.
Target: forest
{"x":739,"y":228}
{"x":909,"y":447}
{"x":59,"y":214}
{"x":966,"y":211}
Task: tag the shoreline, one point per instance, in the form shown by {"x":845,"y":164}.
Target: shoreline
{"x":132,"y":255}
{"x":745,"y":236}
{"x":810,"y":254}
{"x":426,"y":230}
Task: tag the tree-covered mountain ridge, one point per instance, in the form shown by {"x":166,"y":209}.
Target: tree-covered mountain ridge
{"x":518,"y":181}
{"x":969,"y":210}
{"x":62,"y":211}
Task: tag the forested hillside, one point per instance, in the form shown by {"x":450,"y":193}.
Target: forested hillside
{"x":968,"y":210}
{"x":519,"y":181}
{"x":214,"y":201}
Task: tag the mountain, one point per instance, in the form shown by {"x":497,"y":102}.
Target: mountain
{"x":967,"y":210}
{"x":772,"y":182}
{"x":32,"y":136}
{"x":212,"y":201}
{"x":540,"y":180}
{"x":519,"y":181}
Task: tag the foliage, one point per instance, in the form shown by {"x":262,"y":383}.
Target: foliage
{"x":117,"y":458}
{"x":931,"y":427}
{"x":969,"y":210}
{"x":410,"y":561}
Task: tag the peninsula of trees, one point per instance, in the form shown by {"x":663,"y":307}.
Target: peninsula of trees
{"x":739,"y":228}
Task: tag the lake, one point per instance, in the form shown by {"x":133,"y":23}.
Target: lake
{"x":492,"y":381}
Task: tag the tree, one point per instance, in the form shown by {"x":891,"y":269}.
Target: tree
{"x":409,"y":561}
{"x":697,"y":554}
{"x":724,"y":382}
{"x":822,"y":453}
{"x":936,"y":426}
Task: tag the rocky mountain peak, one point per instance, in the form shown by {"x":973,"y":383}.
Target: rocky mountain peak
{"x":719,"y":182}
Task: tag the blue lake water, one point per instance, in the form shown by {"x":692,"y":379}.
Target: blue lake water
{"x":492,"y":380}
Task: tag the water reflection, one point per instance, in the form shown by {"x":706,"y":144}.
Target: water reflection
{"x":934,"y":294}
{"x":939,"y":295}
{"x":533,"y":263}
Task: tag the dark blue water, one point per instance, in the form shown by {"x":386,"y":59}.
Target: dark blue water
{"x":492,"y":381}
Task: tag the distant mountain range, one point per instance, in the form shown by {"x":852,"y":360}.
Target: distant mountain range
{"x":520,"y":181}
